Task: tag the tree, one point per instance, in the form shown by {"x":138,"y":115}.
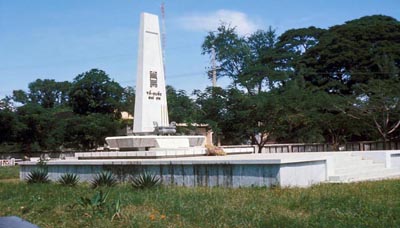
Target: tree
{"x":354,"y":53}
{"x":260,"y":65}
{"x":48,"y":93}
{"x":257,"y":117}
{"x":128,"y":100}
{"x":7,"y":104}
{"x":212,"y":108}
{"x":251,"y":62}
{"x":299,"y":41}
{"x":38,"y":128}
{"x":291,"y":47}
{"x":95,"y":92}
{"x":20,"y":96}
{"x":379,"y":106}
{"x":8,"y":122}
{"x":181,"y":107}
{"x":328,"y":122}
{"x":360,"y":61}
{"x":236,"y":128}
{"x":89,"y":131}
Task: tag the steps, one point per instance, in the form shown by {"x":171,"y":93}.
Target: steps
{"x":350,"y":168}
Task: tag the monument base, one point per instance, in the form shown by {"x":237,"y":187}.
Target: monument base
{"x":146,"y":142}
{"x":150,"y":154}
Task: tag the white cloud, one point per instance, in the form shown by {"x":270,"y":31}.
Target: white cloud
{"x":210,"y":22}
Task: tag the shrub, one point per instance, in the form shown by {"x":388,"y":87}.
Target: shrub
{"x":69,"y":179}
{"x":104,"y":178}
{"x":96,"y":203}
{"x":214,"y":151}
{"x":145,"y":180}
{"x":38,"y":176}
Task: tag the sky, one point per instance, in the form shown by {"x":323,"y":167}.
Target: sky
{"x":58,"y":40}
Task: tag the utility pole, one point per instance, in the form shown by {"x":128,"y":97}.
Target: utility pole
{"x":163,"y":35}
{"x":214,"y":68}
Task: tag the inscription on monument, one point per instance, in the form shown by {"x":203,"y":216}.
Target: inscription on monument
{"x":153,"y":84}
{"x":153,"y":79}
{"x":154,"y":95}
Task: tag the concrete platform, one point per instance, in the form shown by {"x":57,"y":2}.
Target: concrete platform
{"x":159,"y":153}
{"x":284,"y":169}
{"x":366,"y":165}
{"x":154,"y":141}
{"x":227,"y":171}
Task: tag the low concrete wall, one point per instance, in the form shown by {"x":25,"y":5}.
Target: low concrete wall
{"x":18,"y":155}
{"x":225,"y":173}
{"x":321,"y":147}
{"x":391,"y":158}
{"x":395,"y":160}
{"x":303,"y":174}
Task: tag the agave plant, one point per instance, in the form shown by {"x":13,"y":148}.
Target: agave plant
{"x":104,"y":178}
{"x":145,"y":180}
{"x":69,"y":179}
{"x":97,"y":203}
{"x":38,"y":176}
{"x":98,"y":200}
{"x":117,"y":212}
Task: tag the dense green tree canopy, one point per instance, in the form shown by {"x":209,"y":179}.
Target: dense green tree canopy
{"x":181,"y":107}
{"x":212,"y":107}
{"x":48,"y":93}
{"x":7,"y":126}
{"x":128,"y":100}
{"x":353,"y":53}
{"x":251,"y":62}
{"x":313,"y":84}
{"x":95,"y":92}
{"x":56,"y":115}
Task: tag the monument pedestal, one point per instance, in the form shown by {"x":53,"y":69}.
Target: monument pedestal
{"x":147,"y":142}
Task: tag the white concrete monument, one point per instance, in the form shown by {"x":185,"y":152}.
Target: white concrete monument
{"x":151,"y":113}
{"x":151,"y":99}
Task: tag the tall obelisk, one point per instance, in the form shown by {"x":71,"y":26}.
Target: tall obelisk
{"x":151,"y":99}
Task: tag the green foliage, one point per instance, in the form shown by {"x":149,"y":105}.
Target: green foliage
{"x":117,"y":210}
{"x":38,"y":128}
{"x":38,"y":176}
{"x":181,"y":108}
{"x":379,"y":106}
{"x":360,"y":61}
{"x":145,"y":180}
{"x":252,"y":62}
{"x":97,"y":201}
{"x":20,"y":96}
{"x":128,"y":100}
{"x":95,"y":92}
{"x":212,"y":105}
{"x":353,"y":53}
{"x":47,"y":93}
{"x":309,"y":85}
{"x":45,"y":122}
{"x":98,"y":205}
{"x":8,"y":125}
{"x":89,"y":131}
{"x":104,"y":178}
{"x":69,"y":179}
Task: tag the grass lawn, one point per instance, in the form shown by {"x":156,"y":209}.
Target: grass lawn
{"x":9,"y":172}
{"x":368,"y":204}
